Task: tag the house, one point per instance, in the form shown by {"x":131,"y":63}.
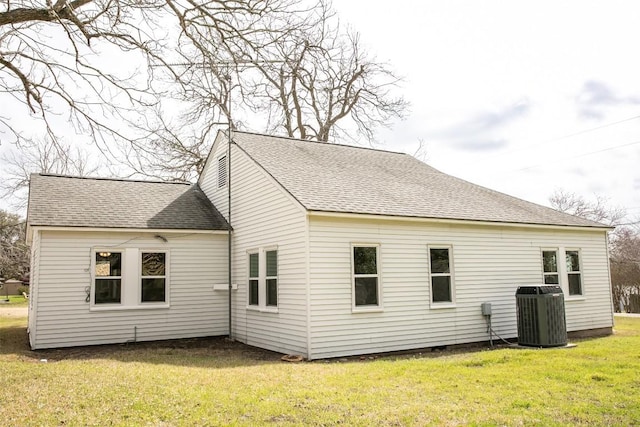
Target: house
{"x":114,"y":261}
{"x":335,"y":251}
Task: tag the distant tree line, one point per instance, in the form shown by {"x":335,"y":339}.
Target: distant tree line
{"x":624,"y":244}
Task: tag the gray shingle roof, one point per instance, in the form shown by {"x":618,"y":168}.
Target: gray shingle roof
{"x":64,"y":201}
{"x":337,"y":178}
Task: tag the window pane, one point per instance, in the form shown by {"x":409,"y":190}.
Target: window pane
{"x":550,"y":261}
{"x":272,"y":292}
{"x":441,"y":288}
{"x":108,"y":264}
{"x":153,"y":290}
{"x":551,"y":279}
{"x":575,"y":284}
{"x":107,"y":291}
{"x":366,"y":290}
{"x":439,"y":260}
{"x":253,"y":292}
{"x":364,"y":260}
{"x":272,"y":263}
{"x":253,"y":265}
{"x":573,"y":261}
{"x":153,"y":264}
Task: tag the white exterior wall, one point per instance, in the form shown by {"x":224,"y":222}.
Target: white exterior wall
{"x":490,"y":262}
{"x":208,"y":180}
{"x":264,"y":216}
{"x":33,"y":285}
{"x":64,"y":317}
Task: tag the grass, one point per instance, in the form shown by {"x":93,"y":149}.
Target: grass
{"x":15,"y":301}
{"x":212,"y":382}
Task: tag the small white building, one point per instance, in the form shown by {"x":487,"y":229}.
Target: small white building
{"x":336,"y":250}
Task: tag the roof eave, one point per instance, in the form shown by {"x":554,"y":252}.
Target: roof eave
{"x":357,"y":215}
{"x":222,"y":231}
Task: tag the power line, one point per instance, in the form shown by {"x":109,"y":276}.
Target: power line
{"x":576,"y":156}
{"x":594,"y":129}
{"x":560,"y":138}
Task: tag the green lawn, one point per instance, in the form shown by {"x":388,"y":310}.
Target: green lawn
{"x":15,"y":301}
{"x":211,"y":382}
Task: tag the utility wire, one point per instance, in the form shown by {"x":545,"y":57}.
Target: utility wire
{"x":574,"y":157}
{"x":560,"y":138}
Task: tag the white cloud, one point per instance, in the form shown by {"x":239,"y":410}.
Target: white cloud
{"x":466,"y":63}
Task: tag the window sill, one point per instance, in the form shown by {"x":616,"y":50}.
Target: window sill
{"x":128,"y":307}
{"x":376,"y":309}
{"x":575,"y":298}
{"x":444,"y":305}
{"x":262,"y":309}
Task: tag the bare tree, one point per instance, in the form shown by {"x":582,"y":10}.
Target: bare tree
{"x":625,"y":270}
{"x":96,"y":63}
{"x":597,"y":210}
{"x":14,"y":253}
{"x":303,"y":76}
{"x":326,"y":86}
{"x":624,"y":244}
{"x":40,"y":156}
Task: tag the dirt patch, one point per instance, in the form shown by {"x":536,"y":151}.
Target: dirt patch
{"x":207,"y":346}
{"x":9,"y":311}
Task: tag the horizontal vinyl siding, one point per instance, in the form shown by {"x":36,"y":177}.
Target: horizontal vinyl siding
{"x":33,"y":286}
{"x":219,"y":196}
{"x":264,"y":216}
{"x":64,"y":318}
{"x":489,"y":264}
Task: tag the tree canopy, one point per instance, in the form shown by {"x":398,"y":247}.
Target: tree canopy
{"x":149,"y":81}
{"x":14,"y":253}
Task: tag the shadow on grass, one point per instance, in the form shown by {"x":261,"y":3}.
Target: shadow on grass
{"x":211,"y":352}
{"x":207,"y":352}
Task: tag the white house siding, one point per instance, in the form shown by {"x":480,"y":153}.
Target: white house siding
{"x":264,"y":216}
{"x":209,"y":179}
{"x":64,"y":318}
{"x":490,"y":263}
{"x":33,"y":284}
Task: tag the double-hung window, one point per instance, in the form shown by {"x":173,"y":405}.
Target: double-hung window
{"x":550,"y":267}
{"x":272,"y":278}
{"x":365,"y":276}
{"x":254,"y":278}
{"x":263,"y":279}
{"x":129,"y":278}
{"x":153,"y":277}
{"x":567,"y":275}
{"x":440,"y":272}
{"x":574,"y":276}
{"x":108,"y":278}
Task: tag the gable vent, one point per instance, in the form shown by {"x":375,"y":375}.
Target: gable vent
{"x":222,"y":171}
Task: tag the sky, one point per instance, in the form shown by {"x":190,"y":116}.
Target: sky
{"x":522,"y":97}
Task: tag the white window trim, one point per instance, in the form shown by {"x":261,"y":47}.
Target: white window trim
{"x":249,"y":278}
{"x":131,"y":280}
{"x":563,"y":275}
{"x":262,"y":306}
{"x":580,"y":296}
{"x":167,"y":294}
{"x":366,"y":308}
{"x":266,"y":277}
{"x":559,"y":261}
{"x":443,"y":304}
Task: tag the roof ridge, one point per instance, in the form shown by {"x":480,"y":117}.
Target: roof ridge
{"x":98,"y":178}
{"x":333,"y":144}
